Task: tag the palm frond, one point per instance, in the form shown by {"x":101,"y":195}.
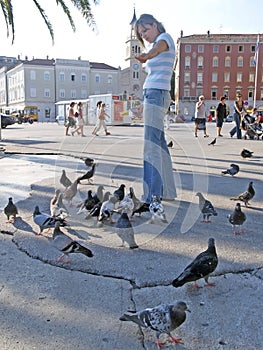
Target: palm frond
{"x":45,"y":17}
{"x":7,"y":9}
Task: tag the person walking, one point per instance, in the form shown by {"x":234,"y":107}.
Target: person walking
{"x":200,"y":116}
{"x":70,"y":121}
{"x":239,"y":110}
{"x":98,"y":106}
{"x":101,"y":117}
{"x":220,"y":115}
{"x":80,"y":126}
{"x":158,"y":176}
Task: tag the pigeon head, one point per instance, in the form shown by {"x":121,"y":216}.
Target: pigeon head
{"x":199,"y":194}
{"x":181,"y":305}
{"x":211,"y":242}
{"x":36,"y":211}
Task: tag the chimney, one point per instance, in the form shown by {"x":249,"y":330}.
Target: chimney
{"x":181,"y":33}
{"x":208,"y":33}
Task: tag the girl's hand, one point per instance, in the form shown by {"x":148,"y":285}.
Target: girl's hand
{"x":142,"y":58}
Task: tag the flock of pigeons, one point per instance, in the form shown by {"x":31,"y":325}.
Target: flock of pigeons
{"x":163,"y":318}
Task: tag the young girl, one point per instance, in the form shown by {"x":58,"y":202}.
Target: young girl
{"x":80,"y":127}
{"x":102,"y":115}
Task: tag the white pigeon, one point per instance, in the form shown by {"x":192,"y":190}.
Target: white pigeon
{"x":107,"y":209}
{"x":126,"y":204}
{"x":57,"y":209}
{"x":157,"y":210}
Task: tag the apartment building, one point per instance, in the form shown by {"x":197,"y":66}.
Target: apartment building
{"x":214,"y":65}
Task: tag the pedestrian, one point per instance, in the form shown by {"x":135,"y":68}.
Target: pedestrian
{"x":70,"y":121}
{"x":102,"y":115}
{"x":200,"y":116}
{"x":239,"y":110}
{"x":158,"y":176}
{"x":220,"y":115}
{"x":80,"y":127}
{"x":98,"y":106}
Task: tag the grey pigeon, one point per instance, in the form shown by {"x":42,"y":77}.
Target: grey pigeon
{"x":156,"y":209}
{"x":212,"y":143}
{"x":206,"y":207}
{"x":70,"y":192}
{"x":237,"y":219}
{"x":163,"y":318}
{"x":88,"y":175}
{"x":201,"y":267}
{"x":245,"y":153}
{"x":64,"y":180}
{"x":125,"y":231}
{"x":11,"y":211}
{"x":138,"y":206}
{"x":67,"y":245}
{"x":57,"y":209}
{"x":95,"y":211}
{"x":120,"y":192}
{"x":232,"y":170}
{"x":45,"y":221}
{"x":245,"y":196}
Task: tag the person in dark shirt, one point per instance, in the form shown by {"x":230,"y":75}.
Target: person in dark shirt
{"x":220,"y":115}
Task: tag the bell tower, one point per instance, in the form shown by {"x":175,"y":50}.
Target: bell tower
{"x":136,"y":71}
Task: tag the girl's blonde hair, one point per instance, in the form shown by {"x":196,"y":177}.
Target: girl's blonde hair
{"x":147,"y":19}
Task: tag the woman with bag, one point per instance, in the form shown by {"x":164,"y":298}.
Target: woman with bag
{"x":239,"y":110}
{"x":79,"y":116}
{"x":71,"y":122}
{"x":102,"y":115}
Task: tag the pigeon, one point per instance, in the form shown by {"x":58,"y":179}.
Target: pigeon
{"x":95,"y":211}
{"x":201,"y":267}
{"x":126,"y":204}
{"x":67,"y":245}
{"x":245,"y":196}
{"x":125,"y":231}
{"x":88,"y":175}
{"x":206,"y":207}
{"x":89,"y":203}
{"x":70,"y":192}
{"x":212,"y":143}
{"x":107,"y":208}
{"x":64,"y":180}
{"x":232,"y":170}
{"x":163,"y":318}
{"x":156,"y":209}
{"x":120,"y":192}
{"x":11,"y":211}
{"x":245,"y":153}
{"x":138,"y":206}
{"x":45,"y":221}
{"x":170,"y":144}
{"x":237,"y":218}
{"x":57,"y":209}
{"x":88,"y":161}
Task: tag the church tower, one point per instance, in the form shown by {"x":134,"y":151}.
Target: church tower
{"x":134,"y":75}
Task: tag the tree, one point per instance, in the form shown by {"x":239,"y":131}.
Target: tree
{"x":82,"y":5}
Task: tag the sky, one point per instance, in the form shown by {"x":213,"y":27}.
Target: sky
{"x":113,"y":17}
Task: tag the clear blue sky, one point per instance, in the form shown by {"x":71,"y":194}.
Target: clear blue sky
{"x":113,"y":17}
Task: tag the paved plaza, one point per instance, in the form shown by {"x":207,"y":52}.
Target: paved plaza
{"x":51,"y":305}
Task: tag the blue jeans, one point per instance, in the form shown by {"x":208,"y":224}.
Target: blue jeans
{"x":157,"y":165}
{"x":236,"y":128}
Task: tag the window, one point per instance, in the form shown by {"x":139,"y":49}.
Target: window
{"x":253,"y":48}
{"x":109,"y":78}
{"x":240,"y":61}
{"x":73,"y":77}
{"x":228,"y":48}
{"x":214,"y":94}
{"x":215,"y":48}
{"x":186,"y":93}
{"x":46,"y":75}
{"x":214,"y":77}
{"x":199,"y":78}
{"x":186,"y":78}
{"x":33,"y":92}
{"x":47,"y":112}
{"x":200,"y":48}
{"x":47,"y":93}
{"x":32,"y":75}
{"x":239,"y":77}
{"x":227,"y":62}
{"x":62,"y":76}
{"x":62,"y":93}
{"x":73,"y":94}
{"x":261,"y":94}
{"x":240,"y":48}
{"x":84,"y":94}
{"x":83,"y":77}
{"x":250,"y":95}
{"x":97,"y":78}
{"x":251,"y":77}
{"x":215,"y":61}
{"x":226,"y":92}
{"x":200,"y":62}
{"x":251,"y":62}
{"x":227,"y":77}
{"x":187,"y":48}
{"x":187,"y":61}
